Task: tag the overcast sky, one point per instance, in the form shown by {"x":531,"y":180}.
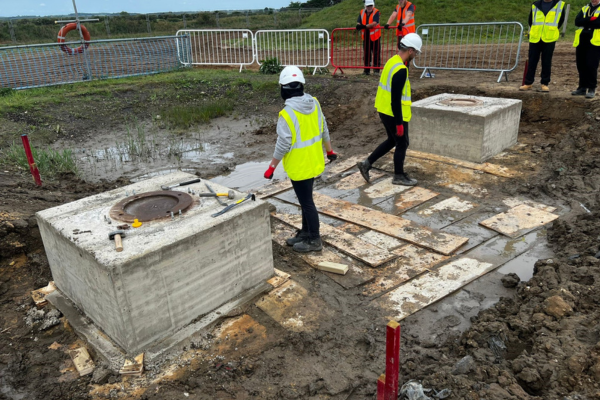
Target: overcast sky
{"x":11,"y":8}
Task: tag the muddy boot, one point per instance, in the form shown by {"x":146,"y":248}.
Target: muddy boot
{"x":300,"y":236}
{"x":578,"y":92}
{"x":364,"y":167}
{"x":404,"y":180}
{"x":545,"y":88}
{"x":591,"y":93}
{"x":309,"y":245}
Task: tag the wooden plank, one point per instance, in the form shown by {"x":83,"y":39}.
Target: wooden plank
{"x":358,"y":273}
{"x":439,"y":214}
{"x":273,"y":188}
{"x":485,"y":167}
{"x":356,"y":180}
{"x":431,"y":287}
{"x":82,"y":360}
{"x":389,"y":224}
{"x":413,"y":261}
{"x":381,"y":240}
{"x":340,"y":165}
{"x":279,"y":279}
{"x":39,"y":296}
{"x":513,"y":202}
{"x":413,"y":197}
{"x":345,"y":242}
{"x":384,"y":189}
{"x":133,"y":367}
{"x":519,"y":220}
{"x":334,"y":268}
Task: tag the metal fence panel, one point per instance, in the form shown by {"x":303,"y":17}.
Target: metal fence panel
{"x":30,"y":66}
{"x":220,"y":46}
{"x":348,"y":49}
{"x":489,"y":46}
{"x":299,"y":47}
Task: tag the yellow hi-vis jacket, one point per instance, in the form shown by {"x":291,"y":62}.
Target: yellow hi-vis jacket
{"x":596,"y":37}
{"x":545,"y":28}
{"x":305,"y":159}
{"x":383,"y":100}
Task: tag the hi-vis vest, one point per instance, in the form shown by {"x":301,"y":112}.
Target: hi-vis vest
{"x":410,"y":24}
{"x":305,"y":159}
{"x":375,"y":33}
{"x":545,"y":28}
{"x":383,"y":100}
{"x":596,"y":38}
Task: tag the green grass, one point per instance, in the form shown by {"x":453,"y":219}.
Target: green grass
{"x":184,"y":116}
{"x":345,"y":13}
{"x":49,"y":162}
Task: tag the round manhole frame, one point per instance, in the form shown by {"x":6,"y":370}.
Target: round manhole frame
{"x":184,"y":202}
{"x":461,"y":102}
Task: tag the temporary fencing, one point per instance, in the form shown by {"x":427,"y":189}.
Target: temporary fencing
{"x":300,"y":47}
{"x":31,"y":66}
{"x":490,"y":46}
{"x":219,"y":47}
{"x":349,"y":50}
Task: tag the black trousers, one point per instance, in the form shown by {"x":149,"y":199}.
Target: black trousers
{"x":372,"y":51}
{"x":545,"y":50}
{"x":393,"y":140}
{"x":588,"y":58}
{"x":310,"y":216}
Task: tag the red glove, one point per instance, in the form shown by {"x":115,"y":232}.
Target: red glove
{"x":331,"y":156}
{"x":593,"y":18}
{"x":400,"y":130}
{"x":269,"y":173}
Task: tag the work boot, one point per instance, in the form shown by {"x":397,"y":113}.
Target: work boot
{"x":545,"y":88}
{"x":300,"y":236}
{"x":590,"y":94}
{"x":578,"y":92}
{"x":404,"y":180}
{"x":526,"y":87}
{"x":308,"y":245}
{"x":364,"y":167}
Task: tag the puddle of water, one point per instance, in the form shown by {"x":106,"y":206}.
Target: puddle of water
{"x":249,"y":176}
{"x":523,"y":264}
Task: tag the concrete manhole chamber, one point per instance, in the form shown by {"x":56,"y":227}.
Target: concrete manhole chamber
{"x":171,"y":270}
{"x":470,"y":128}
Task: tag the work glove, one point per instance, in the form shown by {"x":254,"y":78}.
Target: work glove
{"x":399,"y":130}
{"x":331,"y":156}
{"x":593,"y":18}
{"x":269,"y":172}
{"x":386,"y":26}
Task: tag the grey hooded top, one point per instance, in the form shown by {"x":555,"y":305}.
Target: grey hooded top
{"x":302,"y":104}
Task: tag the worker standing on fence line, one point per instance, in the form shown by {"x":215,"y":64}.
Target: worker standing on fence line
{"x":545,"y":19}
{"x":368,"y":24}
{"x":393,"y":102}
{"x":587,"y":52}
{"x":404,"y":15}
{"x":301,"y":131}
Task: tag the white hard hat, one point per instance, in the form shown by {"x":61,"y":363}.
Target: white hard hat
{"x":369,"y":3}
{"x":412,"y":40}
{"x":291,"y":74}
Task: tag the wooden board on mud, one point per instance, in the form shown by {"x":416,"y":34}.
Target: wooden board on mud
{"x":413,"y":197}
{"x":519,"y":220}
{"x":492,"y":169}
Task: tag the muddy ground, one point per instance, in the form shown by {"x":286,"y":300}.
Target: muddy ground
{"x":540,"y":341}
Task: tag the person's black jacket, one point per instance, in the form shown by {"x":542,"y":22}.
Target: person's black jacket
{"x":585,"y":22}
{"x":538,"y":5}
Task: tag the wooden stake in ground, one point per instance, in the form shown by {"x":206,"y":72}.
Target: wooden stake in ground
{"x":392,"y":360}
{"x":381,"y":387}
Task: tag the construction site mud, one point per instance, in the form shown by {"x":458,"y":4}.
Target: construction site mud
{"x":496,"y":338}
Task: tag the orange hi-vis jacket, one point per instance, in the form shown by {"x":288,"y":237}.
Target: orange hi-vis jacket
{"x":410,"y":24}
{"x":374,"y":33}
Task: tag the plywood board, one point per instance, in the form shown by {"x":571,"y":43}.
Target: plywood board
{"x":273,"y":188}
{"x":412,"y":198}
{"x":381,"y":240}
{"x":82,"y":360}
{"x":353,"y":229}
{"x":519,"y":220}
{"x":412,"y":261}
{"x":345,"y":242}
{"x":514,"y":201}
{"x":358,"y":273}
{"x":340,"y":165}
{"x":39,"y":296}
{"x":438,"y":214}
{"x":279,"y":279}
{"x":469,"y":227}
{"x":492,"y":169}
{"x":133,"y":367}
{"x":389,"y":224}
{"x":426,"y":289}
{"x":356,"y":180}
{"x":384,"y":189}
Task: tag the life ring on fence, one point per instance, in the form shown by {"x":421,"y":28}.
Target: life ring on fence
{"x":62,"y":35}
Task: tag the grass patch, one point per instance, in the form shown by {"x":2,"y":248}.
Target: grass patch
{"x":187,"y":116}
{"x":49,"y":162}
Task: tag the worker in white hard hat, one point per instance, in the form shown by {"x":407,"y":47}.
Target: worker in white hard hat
{"x":301,"y":133}
{"x":368,"y":24}
{"x":393,"y":102}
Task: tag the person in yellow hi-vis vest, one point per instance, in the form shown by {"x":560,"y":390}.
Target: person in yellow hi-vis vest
{"x":393,"y":102}
{"x":587,"y":52}
{"x":301,"y":133}
{"x":545,"y":19}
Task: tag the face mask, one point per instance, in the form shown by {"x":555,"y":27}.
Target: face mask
{"x":289,"y":93}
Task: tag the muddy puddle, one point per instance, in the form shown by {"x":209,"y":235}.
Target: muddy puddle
{"x":249,"y":176}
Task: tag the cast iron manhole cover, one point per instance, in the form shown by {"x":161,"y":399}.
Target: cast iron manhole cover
{"x":461,"y":102}
{"x":151,"y":206}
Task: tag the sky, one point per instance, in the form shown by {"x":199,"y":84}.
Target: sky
{"x":12,"y":8}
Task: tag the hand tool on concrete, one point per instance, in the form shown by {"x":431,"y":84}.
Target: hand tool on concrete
{"x":180,"y":184}
{"x":240,"y":201}
{"x":116,"y":236}
{"x":217,"y":197}
{"x":230,"y":194}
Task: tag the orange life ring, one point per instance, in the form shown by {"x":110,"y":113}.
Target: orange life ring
{"x":62,"y":34}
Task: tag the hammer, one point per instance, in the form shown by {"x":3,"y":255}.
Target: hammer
{"x":180,"y":184}
{"x":230,"y":194}
{"x":116,"y":236}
